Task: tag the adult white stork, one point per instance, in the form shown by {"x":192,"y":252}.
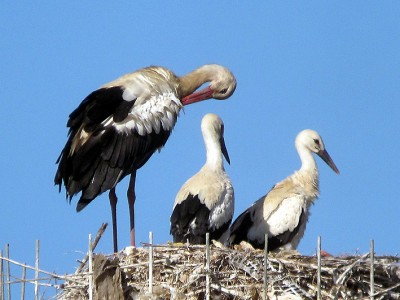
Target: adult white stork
{"x":205,"y":203}
{"x":283,"y":213}
{"x":116,"y":129}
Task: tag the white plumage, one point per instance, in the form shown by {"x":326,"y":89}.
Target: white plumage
{"x":283,"y":213}
{"x":158,"y":113}
{"x":205,"y":203}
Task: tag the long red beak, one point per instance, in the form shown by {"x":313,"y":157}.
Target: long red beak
{"x":204,"y":94}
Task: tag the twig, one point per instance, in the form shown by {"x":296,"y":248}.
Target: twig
{"x":323,"y":293}
{"x":151,"y":263}
{"x":54,"y":275}
{"x":381,"y":292}
{"x":342,"y":277}
{"x":207,"y":266}
{"x":227,"y":291}
{"x":32,"y":280}
{"x":319,"y":268}
{"x":95,"y":242}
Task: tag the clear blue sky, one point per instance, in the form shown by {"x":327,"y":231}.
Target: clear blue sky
{"x":329,"y":66}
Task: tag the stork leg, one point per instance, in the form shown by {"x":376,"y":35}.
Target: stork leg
{"x":113,"y":203}
{"x":131,"y":201}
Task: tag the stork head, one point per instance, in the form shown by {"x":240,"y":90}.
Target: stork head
{"x":311,"y":140}
{"x":213,"y":130}
{"x":222,"y":84}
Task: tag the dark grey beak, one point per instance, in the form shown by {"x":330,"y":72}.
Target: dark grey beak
{"x":224,"y":150}
{"x":327,"y":158}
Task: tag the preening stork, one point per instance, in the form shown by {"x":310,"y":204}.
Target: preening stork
{"x":283,"y":213}
{"x":116,"y":129}
{"x":205,"y":203}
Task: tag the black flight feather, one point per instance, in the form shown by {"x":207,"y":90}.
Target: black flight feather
{"x":190,"y":222}
{"x":107,"y":155}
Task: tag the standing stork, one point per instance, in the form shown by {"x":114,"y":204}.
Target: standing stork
{"x":116,"y":129}
{"x":283,"y":213}
{"x":205,"y":202}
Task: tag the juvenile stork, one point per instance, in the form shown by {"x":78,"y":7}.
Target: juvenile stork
{"x":116,"y":129}
{"x":205,"y":203}
{"x":283,"y":213}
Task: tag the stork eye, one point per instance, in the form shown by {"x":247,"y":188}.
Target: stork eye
{"x":223,"y":91}
{"x":316,"y":141}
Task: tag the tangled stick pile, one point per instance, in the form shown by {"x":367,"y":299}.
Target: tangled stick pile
{"x":179,"y":272}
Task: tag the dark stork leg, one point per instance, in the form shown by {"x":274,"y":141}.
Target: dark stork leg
{"x":131,"y":201}
{"x":113,"y":203}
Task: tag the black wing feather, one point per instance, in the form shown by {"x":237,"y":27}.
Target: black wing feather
{"x":183,"y":215}
{"x":108,"y":155}
{"x":241,"y":226}
{"x":98,"y":106}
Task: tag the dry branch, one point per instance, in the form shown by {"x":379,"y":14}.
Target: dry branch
{"x":94,"y":244}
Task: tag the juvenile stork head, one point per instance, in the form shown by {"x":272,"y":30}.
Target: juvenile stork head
{"x":310,"y":140}
{"x":212,"y":128}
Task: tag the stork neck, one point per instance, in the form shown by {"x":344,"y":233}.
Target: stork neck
{"x":214,"y":154}
{"x":308,"y":164}
{"x":192,"y":81}
{"x":308,"y":175}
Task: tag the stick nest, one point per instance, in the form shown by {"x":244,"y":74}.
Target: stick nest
{"x":179,"y":272}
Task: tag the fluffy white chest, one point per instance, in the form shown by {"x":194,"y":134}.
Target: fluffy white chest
{"x":156,"y":113}
{"x":222,"y":211}
{"x":287,"y":216}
